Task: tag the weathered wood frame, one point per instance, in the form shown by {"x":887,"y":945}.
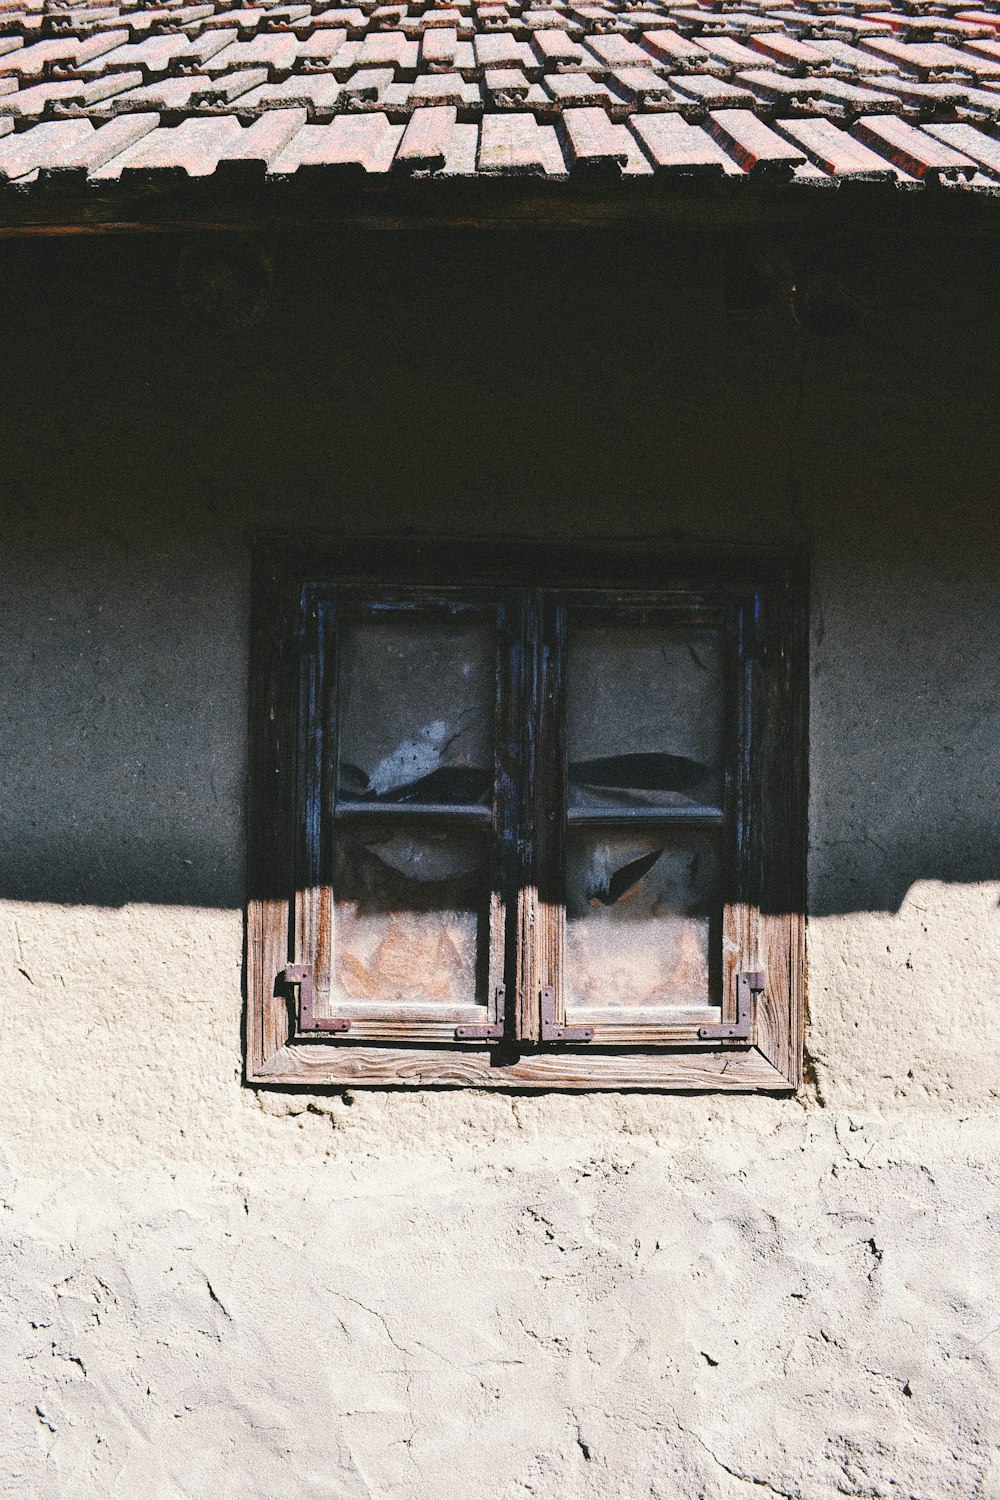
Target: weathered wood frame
{"x":766,"y":590}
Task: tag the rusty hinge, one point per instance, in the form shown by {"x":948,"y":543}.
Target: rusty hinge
{"x":486,"y":1033}
{"x":747,"y":985}
{"x":302,"y":975}
{"x":555,"y":1031}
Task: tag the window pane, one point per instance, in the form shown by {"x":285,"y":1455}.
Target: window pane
{"x":410,"y":915}
{"x":416,"y":710}
{"x":642,"y":918}
{"x":645,"y":708}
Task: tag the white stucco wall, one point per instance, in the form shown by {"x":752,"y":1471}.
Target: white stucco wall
{"x":215,"y":1294}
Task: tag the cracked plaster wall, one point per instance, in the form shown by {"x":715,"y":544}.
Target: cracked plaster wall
{"x":206,"y":1292}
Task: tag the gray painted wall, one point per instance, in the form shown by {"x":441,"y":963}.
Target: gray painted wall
{"x":215,"y":1293}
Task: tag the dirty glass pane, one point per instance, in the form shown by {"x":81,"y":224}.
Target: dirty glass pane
{"x":416,"y":710}
{"x":645,"y":709}
{"x":642,"y":915}
{"x":410,"y":914}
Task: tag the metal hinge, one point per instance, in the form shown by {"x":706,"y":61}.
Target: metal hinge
{"x":302,"y":975}
{"x":486,"y":1033}
{"x":555,"y":1031}
{"x":748,"y":984}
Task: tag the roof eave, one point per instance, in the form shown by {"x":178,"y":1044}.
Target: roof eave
{"x":167,"y":202}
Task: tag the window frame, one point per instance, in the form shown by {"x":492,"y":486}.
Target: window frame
{"x":763,"y":589}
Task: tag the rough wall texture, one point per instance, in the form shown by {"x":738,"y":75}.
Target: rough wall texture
{"x":207,"y":1292}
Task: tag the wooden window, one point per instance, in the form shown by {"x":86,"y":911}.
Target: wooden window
{"x":527,"y":817}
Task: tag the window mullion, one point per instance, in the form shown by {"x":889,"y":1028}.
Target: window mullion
{"x":525,"y":1017}
{"x":508,"y":718}
{"x":743,"y":912}
{"x":309,"y":940}
{"x":734,"y":908}
{"x":540,"y":912}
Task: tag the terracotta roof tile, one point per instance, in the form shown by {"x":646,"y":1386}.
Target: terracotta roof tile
{"x":107,"y":142}
{"x":438,"y":47}
{"x":193,"y":148}
{"x":349,"y":18}
{"x":245,"y":21}
{"x":679,"y":149}
{"x":643,"y":86}
{"x":970,"y":142}
{"x":506,"y":86}
{"x":24,"y":153}
{"x":922,"y":58}
{"x":461,"y":159}
{"x":317,"y":93}
{"x":837,"y":153}
{"x":315,"y":53}
{"x":933,"y":101}
{"x":427,"y":139}
{"x":42,"y":98}
{"x":812,"y":92}
{"x":98,"y":93}
{"x":365,"y":86}
{"x":224,"y":88}
{"x":443,"y":88}
{"x":164,"y":94}
{"x":615,"y":51}
{"x":515,"y":144}
{"x":501,"y":49}
{"x":712,"y":93}
{"x":32,"y":63}
{"x":555,"y":46}
{"x":912,"y":150}
{"x":752,"y":144}
{"x":153,"y":56}
{"x":578,"y":90}
{"x":275,"y":53}
{"x":201,"y":49}
{"x":590,"y":142}
{"x":362,"y":142}
{"x":850,"y":61}
{"x":677,"y":51}
{"x":788,"y":50}
{"x":250,"y":155}
{"x":726,"y":49}
{"x":388,"y":49}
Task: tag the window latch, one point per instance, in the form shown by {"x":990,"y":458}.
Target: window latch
{"x":486,"y":1033}
{"x":302,"y":975}
{"x":555,"y":1031}
{"x":748,"y":984}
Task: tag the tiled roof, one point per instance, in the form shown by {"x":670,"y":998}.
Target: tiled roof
{"x":811,"y":93}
